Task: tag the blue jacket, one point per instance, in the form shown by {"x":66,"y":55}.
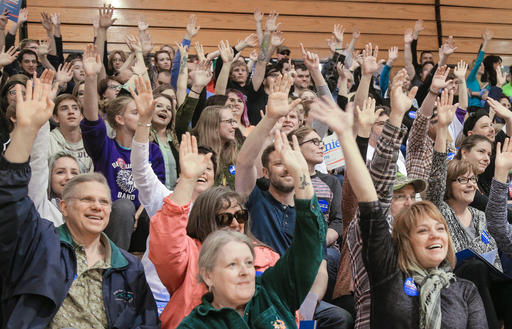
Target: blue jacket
{"x":38,"y":265}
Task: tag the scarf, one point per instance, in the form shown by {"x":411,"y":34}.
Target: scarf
{"x":430,"y":284}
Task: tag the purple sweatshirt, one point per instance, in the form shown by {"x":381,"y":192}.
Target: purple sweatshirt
{"x":113,"y":160}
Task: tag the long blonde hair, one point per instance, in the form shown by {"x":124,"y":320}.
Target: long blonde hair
{"x":207,"y":133}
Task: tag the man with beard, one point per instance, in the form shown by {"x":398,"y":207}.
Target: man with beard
{"x":272,"y":212}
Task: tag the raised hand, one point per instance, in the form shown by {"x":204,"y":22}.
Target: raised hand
{"x":199,"y":51}
{"x":192,"y":28}
{"x":277,"y":105}
{"x":226,"y":52}
{"x":292,"y":158}
{"x":44,"y":48}
{"x":500,"y":110}
{"x":311,"y":60}
{"x":133,"y":43}
{"x":408,"y":37}
{"x":447,"y":48}
{"x":105,"y":17}
{"x":37,"y":107}
{"x":271,"y":24}
{"x":258,"y":15}
{"x":338,"y":32}
{"x":370,"y":65}
{"x":392,"y":55}
{"x":487,"y":35}
{"x":504,"y":157}
{"x":55,"y":17}
{"x":445,"y":109}
{"x":143,"y":99}
{"x":325,"y":110}
{"x":276,"y":39}
{"x":501,"y":77}
{"x":401,"y":102}
{"x":355,"y":34}
{"x":8,"y":57}
{"x":23,"y":16}
{"x":341,"y":71}
{"x":460,"y":70}
{"x":91,"y":61}
{"x":439,"y":79}
{"x":64,"y":73}
{"x":250,"y":41}
{"x":141,"y":23}
{"x":418,"y":27}
{"x":202,"y":75}
{"x":46,"y":21}
{"x":146,"y":43}
{"x":367,"y":116}
{"x":192,"y":163}
{"x":4,"y":17}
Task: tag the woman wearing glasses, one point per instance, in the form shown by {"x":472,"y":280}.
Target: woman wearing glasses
{"x":452,"y":187}
{"x":178,"y":231}
{"x":216,"y":129}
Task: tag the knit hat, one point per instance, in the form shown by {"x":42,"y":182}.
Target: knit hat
{"x":401,"y":181}
{"x":470,"y":122}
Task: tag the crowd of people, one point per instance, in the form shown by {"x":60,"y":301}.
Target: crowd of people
{"x":161,"y":188}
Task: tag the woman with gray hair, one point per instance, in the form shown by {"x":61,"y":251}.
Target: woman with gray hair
{"x":236,"y":297}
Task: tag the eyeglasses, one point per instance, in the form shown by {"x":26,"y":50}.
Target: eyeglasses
{"x":315,"y":141}
{"x":91,"y":201}
{"x":232,"y":122}
{"x":226,"y":218}
{"x":465,"y":180}
{"x":13,"y":92}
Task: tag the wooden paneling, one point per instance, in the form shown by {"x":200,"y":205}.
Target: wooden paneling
{"x":308,"y":21}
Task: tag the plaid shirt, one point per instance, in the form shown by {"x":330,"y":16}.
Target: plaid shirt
{"x":383,"y":172}
{"x":418,"y":158}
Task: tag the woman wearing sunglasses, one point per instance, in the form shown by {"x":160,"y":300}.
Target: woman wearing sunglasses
{"x":178,"y":231}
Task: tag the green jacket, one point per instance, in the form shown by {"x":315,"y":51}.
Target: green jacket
{"x":281,"y":289}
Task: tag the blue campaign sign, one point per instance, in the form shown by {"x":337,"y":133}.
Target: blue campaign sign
{"x":13,"y":8}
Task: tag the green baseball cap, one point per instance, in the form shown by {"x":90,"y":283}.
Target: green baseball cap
{"x":401,"y":181}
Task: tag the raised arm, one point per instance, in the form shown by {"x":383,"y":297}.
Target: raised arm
{"x":408,"y":57}
{"x":268,"y":45}
{"x":191,"y":31}
{"x":228,"y":57}
{"x":384,"y":76}
{"x":277,"y":107}
{"x":258,"y":17}
{"x":437,"y":179}
{"x":502,"y":112}
{"x":383,"y":166}
{"x":496,"y":210}
{"x":105,"y":21}
{"x":46,"y":21}
{"x":368,"y":67}
{"x":22,"y":18}
{"x":4,"y":18}
{"x":460,"y":73}
{"x":92,"y":67}
{"x":181,"y":85}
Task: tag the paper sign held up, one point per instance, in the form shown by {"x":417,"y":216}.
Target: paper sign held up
{"x":333,"y":155}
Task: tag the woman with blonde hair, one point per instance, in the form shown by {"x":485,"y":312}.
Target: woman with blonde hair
{"x":216,"y":129}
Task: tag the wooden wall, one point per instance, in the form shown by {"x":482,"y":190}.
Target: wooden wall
{"x":309,"y":21}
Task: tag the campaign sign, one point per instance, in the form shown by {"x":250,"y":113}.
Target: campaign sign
{"x":333,"y":155}
{"x":13,"y":8}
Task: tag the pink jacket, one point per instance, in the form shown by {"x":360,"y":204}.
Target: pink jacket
{"x":175,"y":256}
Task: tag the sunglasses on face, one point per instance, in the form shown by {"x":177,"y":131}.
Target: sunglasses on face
{"x":226,"y":218}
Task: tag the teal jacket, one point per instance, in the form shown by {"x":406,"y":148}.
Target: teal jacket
{"x":281,"y":289}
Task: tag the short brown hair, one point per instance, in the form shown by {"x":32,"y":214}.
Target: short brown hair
{"x":405,"y":222}
{"x":456,"y":168}
{"x":202,"y":219}
{"x":301,"y":133}
{"x":63,"y":97}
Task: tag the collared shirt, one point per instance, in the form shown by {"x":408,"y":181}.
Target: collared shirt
{"x":83,"y":306}
{"x":272,"y":222}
